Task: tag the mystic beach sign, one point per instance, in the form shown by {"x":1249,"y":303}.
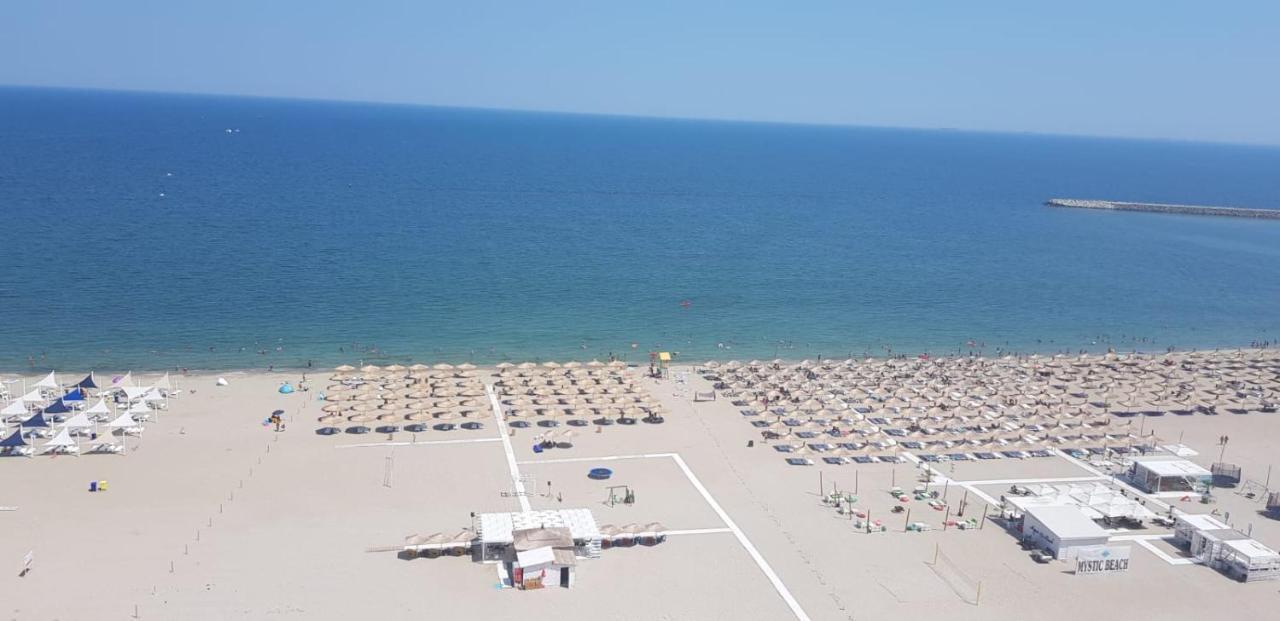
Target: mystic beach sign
{"x":1092,"y":560}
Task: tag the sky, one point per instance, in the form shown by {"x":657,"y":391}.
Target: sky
{"x":1171,"y":69}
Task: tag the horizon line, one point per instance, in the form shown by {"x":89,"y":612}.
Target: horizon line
{"x":618,"y":115}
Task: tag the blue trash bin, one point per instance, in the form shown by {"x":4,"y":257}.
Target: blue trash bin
{"x":93,"y":486}
{"x":537,"y":448}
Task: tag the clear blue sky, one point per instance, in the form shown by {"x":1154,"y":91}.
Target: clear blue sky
{"x":1162,"y":69}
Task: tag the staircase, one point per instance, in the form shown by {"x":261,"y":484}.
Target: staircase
{"x":593,"y":548}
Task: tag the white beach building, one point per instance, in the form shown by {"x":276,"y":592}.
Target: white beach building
{"x":1061,"y":528}
{"x":537,"y":548}
{"x":1213,"y":543}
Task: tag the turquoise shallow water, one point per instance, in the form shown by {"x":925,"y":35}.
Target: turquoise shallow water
{"x":139,"y":233}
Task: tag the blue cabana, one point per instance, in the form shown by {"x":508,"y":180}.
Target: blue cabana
{"x":87,"y":382}
{"x":14,"y":439}
{"x":75,"y":395}
{"x":35,"y":421}
{"x":57,"y":407}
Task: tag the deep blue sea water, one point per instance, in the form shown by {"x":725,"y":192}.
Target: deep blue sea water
{"x":138,"y":232}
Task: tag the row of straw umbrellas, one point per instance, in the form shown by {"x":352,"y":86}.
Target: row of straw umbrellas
{"x":573,"y":389}
{"x":1006,"y":403}
{"x":445,"y":392}
{"x":395,"y":394}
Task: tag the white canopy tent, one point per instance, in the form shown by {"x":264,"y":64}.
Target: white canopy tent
{"x":33,"y":397}
{"x":124,"y":422}
{"x":136,"y":392}
{"x":99,"y":408}
{"x":49,"y":381}
{"x":62,"y":440}
{"x":1094,"y":500}
{"x":79,"y":421}
{"x":17,"y":408}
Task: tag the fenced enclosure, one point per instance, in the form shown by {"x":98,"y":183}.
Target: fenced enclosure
{"x":1225,"y":475}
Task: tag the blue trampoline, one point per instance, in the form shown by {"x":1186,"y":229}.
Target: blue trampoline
{"x":600,"y":474}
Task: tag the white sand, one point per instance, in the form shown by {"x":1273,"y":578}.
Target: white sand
{"x":292,"y":515}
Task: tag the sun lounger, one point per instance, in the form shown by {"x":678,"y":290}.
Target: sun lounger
{"x":799,"y":461}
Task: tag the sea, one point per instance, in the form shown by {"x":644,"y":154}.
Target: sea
{"x":155,"y":231}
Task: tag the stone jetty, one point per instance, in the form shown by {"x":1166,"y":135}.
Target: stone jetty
{"x":1193,"y":210}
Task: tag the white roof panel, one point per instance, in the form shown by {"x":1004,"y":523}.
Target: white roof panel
{"x":498,"y":527}
{"x":1200,"y":521}
{"x":1251,"y":549}
{"x":1173,"y":467}
{"x":536,"y":556}
{"x":1067,"y":522}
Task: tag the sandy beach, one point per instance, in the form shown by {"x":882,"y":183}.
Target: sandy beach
{"x":212,"y":514}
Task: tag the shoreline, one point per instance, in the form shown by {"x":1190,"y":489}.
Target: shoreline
{"x":325,"y":370}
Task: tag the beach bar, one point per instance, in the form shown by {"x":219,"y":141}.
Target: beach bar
{"x":535,"y":549}
{"x":1162,"y":473}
